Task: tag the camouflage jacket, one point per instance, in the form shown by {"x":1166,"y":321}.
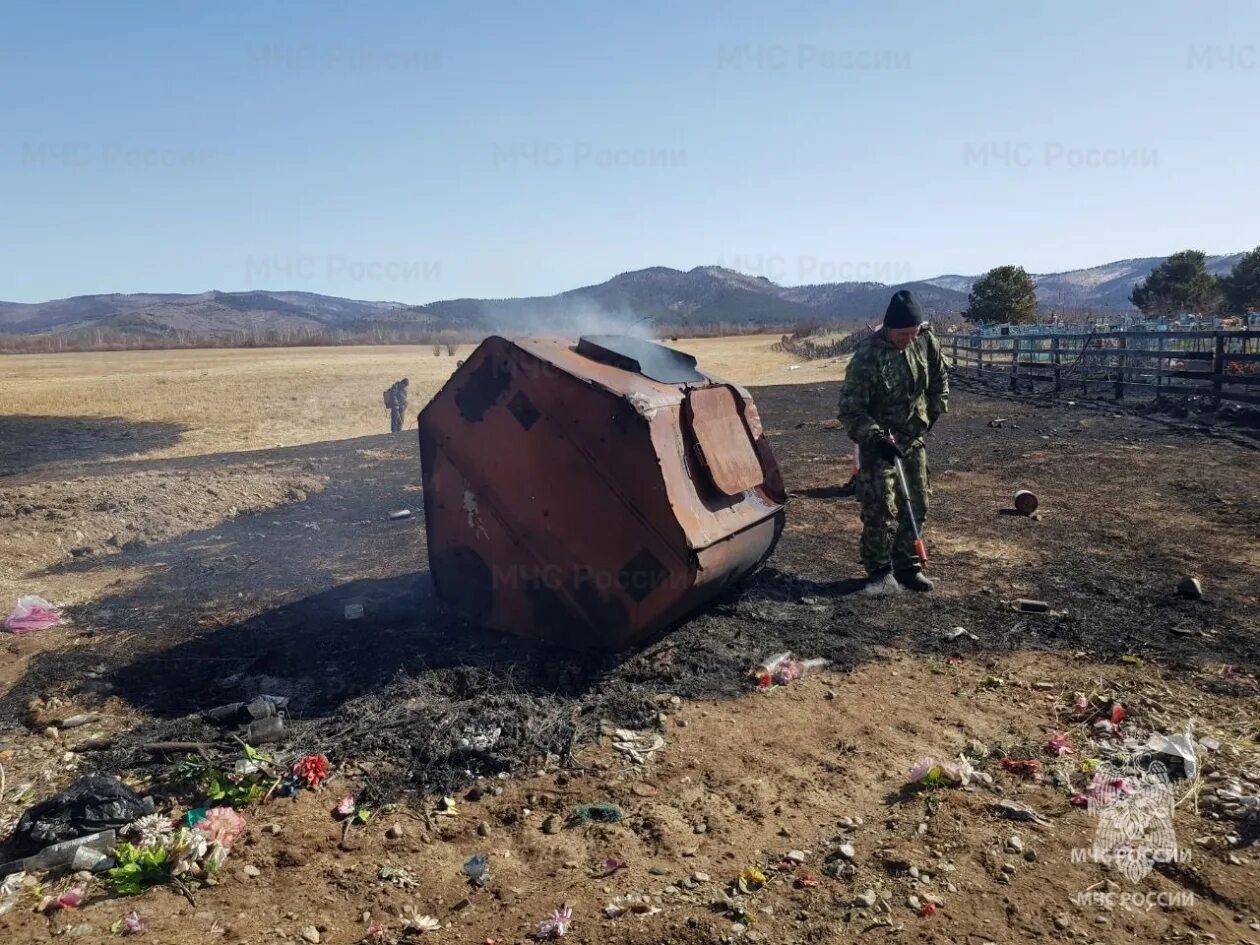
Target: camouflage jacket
{"x":890,"y":390}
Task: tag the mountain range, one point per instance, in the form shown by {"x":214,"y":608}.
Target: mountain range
{"x":703,"y":296}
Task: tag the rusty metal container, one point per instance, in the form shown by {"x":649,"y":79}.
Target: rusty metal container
{"x":592,"y":493}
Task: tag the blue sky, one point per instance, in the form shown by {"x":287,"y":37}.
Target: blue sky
{"x":417,"y":151}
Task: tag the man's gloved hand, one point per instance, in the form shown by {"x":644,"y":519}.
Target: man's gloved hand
{"x":887,"y":450}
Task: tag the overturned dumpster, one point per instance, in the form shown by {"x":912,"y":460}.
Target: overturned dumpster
{"x":592,"y":493}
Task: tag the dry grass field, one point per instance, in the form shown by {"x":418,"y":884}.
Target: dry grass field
{"x":240,"y":399}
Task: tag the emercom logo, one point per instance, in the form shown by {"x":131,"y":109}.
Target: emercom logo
{"x":1133,"y":805}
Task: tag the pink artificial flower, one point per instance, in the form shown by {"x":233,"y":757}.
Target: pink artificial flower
{"x":70,"y":899}
{"x":346,"y":806}
{"x":921,"y":769}
{"x":132,"y":924}
{"x":1060,"y":744}
{"x":222,"y":825}
{"x":556,"y":924}
{"x":1081,"y":705}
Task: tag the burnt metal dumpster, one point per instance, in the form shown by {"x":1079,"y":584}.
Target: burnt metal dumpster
{"x":592,"y":493}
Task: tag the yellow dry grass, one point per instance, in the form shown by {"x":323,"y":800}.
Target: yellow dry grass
{"x":241,"y":399}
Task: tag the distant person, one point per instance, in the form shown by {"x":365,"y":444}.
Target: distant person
{"x":396,"y":403}
{"x":895,"y":390}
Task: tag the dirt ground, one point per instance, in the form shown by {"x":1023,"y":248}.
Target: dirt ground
{"x":186,"y":609}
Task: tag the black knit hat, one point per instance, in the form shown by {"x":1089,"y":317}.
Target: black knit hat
{"x":903,"y":311}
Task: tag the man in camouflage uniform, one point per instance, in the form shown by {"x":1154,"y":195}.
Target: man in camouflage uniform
{"x":896,"y":384}
{"x":396,"y":401}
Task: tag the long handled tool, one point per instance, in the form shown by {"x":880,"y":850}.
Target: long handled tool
{"x":920,"y":549}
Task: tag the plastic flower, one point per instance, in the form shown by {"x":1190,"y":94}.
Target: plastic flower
{"x":132,"y":924}
{"x":346,"y":806}
{"x":222,"y":826}
{"x":414,"y":921}
{"x":216,"y":858}
{"x":960,"y":771}
{"x":311,"y":769}
{"x":152,"y":830}
{"x":1060,"y":744}
{"x":556,"y":924}
{"x":750,"y":880}
{"x":188,"y":848}
{"x":70,"y":899}
{"x":921,"y":769}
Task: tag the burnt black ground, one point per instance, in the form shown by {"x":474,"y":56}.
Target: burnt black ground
{"x":258,"y":604}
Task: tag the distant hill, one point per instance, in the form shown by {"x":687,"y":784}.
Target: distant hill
{"x":701,"y":297}
{"x":205,"y":313}
{"x":1101,"y":287}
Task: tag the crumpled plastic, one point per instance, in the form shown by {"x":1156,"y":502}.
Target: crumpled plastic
{"x":92,"y":804}
{"x":32,"y":613}
{"x":477,"y":869}
{"x":1178,"y":748}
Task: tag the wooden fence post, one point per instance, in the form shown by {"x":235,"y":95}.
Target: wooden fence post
{"x":979,"y":355}
{"x":1054,"y":351}
{"x":1014,"y":361}
{"x":1218,"y":370}
{"x":1121,"y":363}
{"x":954,"y":345}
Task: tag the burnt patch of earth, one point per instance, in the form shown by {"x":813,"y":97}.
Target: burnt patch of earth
{"x":260,"y":604}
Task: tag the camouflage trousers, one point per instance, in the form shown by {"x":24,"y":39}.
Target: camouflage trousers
{"x":887,"y":539}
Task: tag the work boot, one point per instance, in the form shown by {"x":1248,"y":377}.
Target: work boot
{"x":881,"y":584}
{"x":914,"y":580}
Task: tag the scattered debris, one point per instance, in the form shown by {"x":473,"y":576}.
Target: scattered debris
{"x":1060,"y":744}
{"x":638,"y":747}
{"x":1177,"y":748}
{"x":598,"y":813}
{"x":130,"y":924}
{"x":416,"y":921}
{"x":612,"y":866}
{"x":1190,"y":588}
{"x":1014,"y":810}
{"x":92,"y":804}
{"x":781,"y":670}
{"x":1025,"y":502}
{"x":927,"y":773}
{"x":243,"y":713}
{"x":960,"y":632}
{"x":555,"y":925}
{"x":750,"y":880}
{"x":1030,"y":768}
{"x":1029,"y":606}
{"x":636,"y":903}
{"x":70,"y":899}
{"x":80,"y":853}
{"x":477,"y":869}
{"x":32,"y":613}
{"x":400,"y":876}
{"x":399,"y":514}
